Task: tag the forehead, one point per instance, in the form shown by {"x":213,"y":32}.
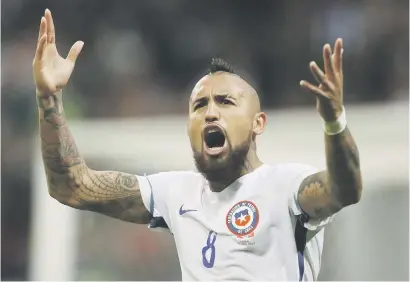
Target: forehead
{"x":219,"y":83}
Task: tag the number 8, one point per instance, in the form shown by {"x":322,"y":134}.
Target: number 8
{"x":209,"y":246}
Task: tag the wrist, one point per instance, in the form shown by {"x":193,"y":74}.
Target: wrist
{"x":337,"y":126}
{"x":47,"y":101}
{"x":45,"y":94}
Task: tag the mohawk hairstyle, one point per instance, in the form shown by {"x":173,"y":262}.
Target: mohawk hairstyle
{"x":218,"y":64}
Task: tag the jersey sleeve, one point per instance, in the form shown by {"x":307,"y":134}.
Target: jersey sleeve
{"x":296,"y":173}
{"x":155,"y":192}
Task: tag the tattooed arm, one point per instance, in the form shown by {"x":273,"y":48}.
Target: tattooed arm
{"x":325,"y":193}
{"x":72,"y":183}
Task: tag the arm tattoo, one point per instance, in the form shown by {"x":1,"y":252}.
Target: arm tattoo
{"x":72,"y":183}
{"x":315,"y":198}
{"x":111,"y":193}
{"x":60,"y":152}
{"x":60,"y":156}
{"x":324,"y":193}
{"x":52,"y":107}
{"x":343,"y":167}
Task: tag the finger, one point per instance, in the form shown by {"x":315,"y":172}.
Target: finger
{"x":327,"y":58}
{"x":75,"y":51}
{"x":40,"y":47}
{"x":43,"y":28}
{"x":320,"y":77}
{"x":51,"y":36}
{"x":314,"y":89}
{"x":337,"y":55}
{"x":317,"y":72}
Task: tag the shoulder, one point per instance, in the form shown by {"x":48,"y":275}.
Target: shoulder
{"x":295,"y":173}
{"x":294,"y":167}
{"x":286,"y":177}
{"x":289,"y":171}
{"x":172,"y":175}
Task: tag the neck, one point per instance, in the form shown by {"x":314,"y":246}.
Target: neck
{"x":251,"y":163}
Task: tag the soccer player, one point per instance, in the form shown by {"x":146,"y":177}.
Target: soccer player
{"x":237,"y":218}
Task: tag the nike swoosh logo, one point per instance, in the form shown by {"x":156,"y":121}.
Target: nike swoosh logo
{"x":182,"y":211}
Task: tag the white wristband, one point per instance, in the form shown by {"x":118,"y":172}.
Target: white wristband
{"x":337,"y":126}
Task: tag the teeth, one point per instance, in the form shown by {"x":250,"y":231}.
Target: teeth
{"x":215,"y":149}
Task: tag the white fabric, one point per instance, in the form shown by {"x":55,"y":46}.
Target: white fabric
{"x":337,"y":126}
{"x":266,"y":205}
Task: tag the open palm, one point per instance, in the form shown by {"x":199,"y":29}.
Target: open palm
{"x":51,"y":71}
{"x":329,"y":91}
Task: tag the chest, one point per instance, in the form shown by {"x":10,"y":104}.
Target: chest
{"x":246,"y":228}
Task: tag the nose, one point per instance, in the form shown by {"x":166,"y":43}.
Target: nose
{"x":212,"y":114}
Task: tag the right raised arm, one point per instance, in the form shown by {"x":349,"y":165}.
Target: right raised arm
{"x":69,"y":179}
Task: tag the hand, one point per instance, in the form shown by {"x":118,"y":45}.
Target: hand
{"x":329,"y":92}
{"x":51,"y":71}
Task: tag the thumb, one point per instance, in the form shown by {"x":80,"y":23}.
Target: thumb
{"x":75,"y":51}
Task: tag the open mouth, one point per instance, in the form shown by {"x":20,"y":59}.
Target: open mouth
{"x":214,"y":139}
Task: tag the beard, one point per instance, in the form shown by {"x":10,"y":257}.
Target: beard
{"x":223,"y":170}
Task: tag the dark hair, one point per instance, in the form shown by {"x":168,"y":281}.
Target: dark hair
{"x":218,"y":64}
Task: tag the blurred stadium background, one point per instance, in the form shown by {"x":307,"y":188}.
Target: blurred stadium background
{"x":127,"y":106}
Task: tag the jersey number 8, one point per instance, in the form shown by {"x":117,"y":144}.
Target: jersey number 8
{"x":209,"y":247}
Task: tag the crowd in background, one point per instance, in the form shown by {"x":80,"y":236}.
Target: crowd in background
{"x":143,"y":57}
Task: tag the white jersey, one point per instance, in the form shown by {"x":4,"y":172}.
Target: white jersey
{"x":245,"y":232}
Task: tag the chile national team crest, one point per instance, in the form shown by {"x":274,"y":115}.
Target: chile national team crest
{"x":242,"y":219}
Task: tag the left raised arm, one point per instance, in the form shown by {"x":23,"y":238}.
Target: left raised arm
{"x":325,"y":193}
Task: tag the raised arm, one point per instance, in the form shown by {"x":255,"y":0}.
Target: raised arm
{"x":324,"y":193}
{"x":69,"y":179}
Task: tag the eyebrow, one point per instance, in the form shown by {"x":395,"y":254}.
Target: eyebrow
{"x":224,"y":95}
{"x":202,"y":99}
{"x":217,"y":94}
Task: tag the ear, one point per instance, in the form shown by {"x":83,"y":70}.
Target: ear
{"x":259,"y":123}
